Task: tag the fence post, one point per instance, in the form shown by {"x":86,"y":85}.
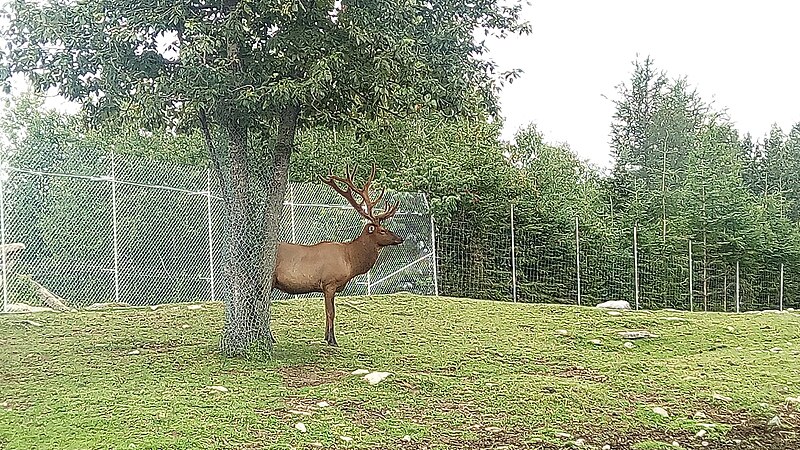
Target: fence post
{"x":737,"y":286}
{"x":3,"y":174}
{"x":578,"y":258}
{"x":636,"y":265}
{"x":691,"y":281}
{"x":780,"y":295}
{"x":210,"y":237}
{"x":114,"y":225}
{"x":433,"y":256}
{"x":513,"y":258}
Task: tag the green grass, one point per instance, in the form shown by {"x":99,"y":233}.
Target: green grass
{"x":459,"y":368}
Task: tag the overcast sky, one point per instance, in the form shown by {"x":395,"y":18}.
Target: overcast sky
{"x":743,"y":56}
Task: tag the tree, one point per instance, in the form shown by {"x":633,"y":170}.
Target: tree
{"x":248,"y":73}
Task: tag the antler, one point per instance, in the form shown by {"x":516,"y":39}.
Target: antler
{"x":365,"y":206}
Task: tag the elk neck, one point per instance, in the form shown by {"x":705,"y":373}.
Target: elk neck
{"x":363,"y":253}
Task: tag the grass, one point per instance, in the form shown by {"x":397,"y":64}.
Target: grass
{"x":465,"y":374}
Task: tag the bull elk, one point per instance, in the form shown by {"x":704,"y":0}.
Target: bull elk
{"x":327,"y":267}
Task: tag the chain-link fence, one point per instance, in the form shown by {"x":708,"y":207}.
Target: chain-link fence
{"x":121,"y":229}
{"x":115,"y":228}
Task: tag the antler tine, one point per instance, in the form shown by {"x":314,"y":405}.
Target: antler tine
{"x":388,"y":213}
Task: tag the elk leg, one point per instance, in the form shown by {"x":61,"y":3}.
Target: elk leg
{"x":330,"y":314}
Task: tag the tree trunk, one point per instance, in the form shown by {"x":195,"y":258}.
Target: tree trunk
{"x":253,"y":183}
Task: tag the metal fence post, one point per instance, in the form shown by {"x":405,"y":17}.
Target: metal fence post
{"x":578,"y":258}
{"x":291,"y":213}
{"x":780,"y":295}
{"x":209,"y":220}
{"x":513,"y":259}
{"x":114,"y":225}
{"x":433,"y":257}
{"x":737,"y":286}
{"x":3,"y":174}
{"x":691,"y":281}
{"x":636,"y":265}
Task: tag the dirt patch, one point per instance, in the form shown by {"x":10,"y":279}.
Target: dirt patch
{"x":583,"y":373}
{"x":307,"y":376}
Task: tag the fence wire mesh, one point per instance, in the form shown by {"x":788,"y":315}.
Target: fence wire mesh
{"x":113,"y":228}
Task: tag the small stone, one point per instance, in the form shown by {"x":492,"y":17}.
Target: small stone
{"x":596,"y":342}
{"x":776,"y":349}
{"x":360,"y":372}
{"x":316,"y":444}
{"x":615,"y":304}
{"x":376,"y":377}
{"x":606,"y":447}
{"x":614,"y":313}
{"x":721,"y":397}
{"x":185,"y":326}
{"x":323,"y":404}
{"x":562,"y":332}
{"x":661,"y":411}
{"x":708,"y":425}
{"x":194,"y":307}
{"x":704,"y":443}
{"x":737,"y":441}
{"x":134,"y":352}
{"x":774,"y":422}
{"x":406,"y":438}
{"x":700,"y":434}
{"x":675,"y":444}
{"x":793,"y":399}
{"x":580,"y":442}
{"x":700,"y":415}
{"x":493,"y":429}
{"x":731,"y":329}
{"x":346,"y":438}
{"x":153,"y":307}
{"x":32,"y":323}
{"x":636,"y":334}
{"x":300,"y":426}
{"x":563,"y":435}
{"x":629,"y":345}
{"x":218,"y":388}
{"x":4,"y":405}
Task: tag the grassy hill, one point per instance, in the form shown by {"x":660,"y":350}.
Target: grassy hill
{"x":464,"y":374}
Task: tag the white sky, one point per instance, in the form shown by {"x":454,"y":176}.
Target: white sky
{"x":743,"y":56}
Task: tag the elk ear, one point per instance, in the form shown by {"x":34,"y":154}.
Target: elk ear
{"x":370,"y":228}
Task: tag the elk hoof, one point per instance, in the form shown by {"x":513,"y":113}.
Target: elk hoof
{"x":331,"y":341}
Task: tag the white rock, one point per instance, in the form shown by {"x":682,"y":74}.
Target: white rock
{"x":194,"y":307}
{"x":614,"y":313}
{"x":661,"y":411}
{"x":323,"y":404}
{"x":731,"y":329}
{"x":376,"y":377}
{"x":776,"y":349}
{"x":793,"y":399}
{"x":721,"y":397}
{"x":700,"y":415}
{"x":615,"y":304}
{"x":346,"y":438}
{"x":675,"y":444}
{"x":563,"y":435}
{"x":153,"y":307}
{"x":300,"y":426}
{"x":493,"y":429}
{"x":316,"y":444}
{"x":32,"y":323}
{"x":596,"y":342}
{"x":360,"y":372}
{"x":580,"y":442}
{"x":700,"y":434}
{"x":606,"y":447}
{"x":636,"y":334}
{"x":406,"y":438}
{"x":629,"y":345}
{"x":774,"y":422}
{"x":704,"y":443}
{"x":562,"y":332}
{"x":134,"y":352}
{"x":218,"y":388}
{"x":19,"y":308}
{"x":185,"y":326}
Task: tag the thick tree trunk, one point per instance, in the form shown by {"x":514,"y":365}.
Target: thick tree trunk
{"x":253,"y":182}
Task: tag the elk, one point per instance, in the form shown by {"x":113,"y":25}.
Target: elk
{"x":327,"y":267}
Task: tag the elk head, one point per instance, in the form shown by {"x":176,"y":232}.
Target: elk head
{"x":364,"y":204}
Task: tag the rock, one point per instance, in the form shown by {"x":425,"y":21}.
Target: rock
{"x":721,"y":397}
{"x":185,"y":326}
{"x":563,"y":435}
{"x":606,"y":447}
{"x":493,"y":429}
{"x":22,"y":308}
{"x":194,"y":307}
{"x":636,"y":334}
{"x":316,"y":444}
{"x":153,"y":307}
{"x":628,"y":345}
{"x":776,"y":349}
{"x":700,"y":415}
{"x":323,"y":404}
{"x":661,"y":411}
{"x":218,"y":388}
{"x":775,"y":422}
{"x":562,"y":332}
{"x":731,"y":329}
{"x":346,"y":439}
{"x":793,"y":399}
{"x":704,"y":443}
{"x":596,"y":342}
{"x":376,"y":377}
{"x":615,"y":304}
{"x":614,"y":313}
{"x":301,"y":427}
{"x":675,"y":444}
{"x":700,"y":434}
{"x":406,"y":438}
{"x":360,"y":372}
{"x":32,"y":323}
{"x":134,"y":352}
{"x":580,"y":442}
